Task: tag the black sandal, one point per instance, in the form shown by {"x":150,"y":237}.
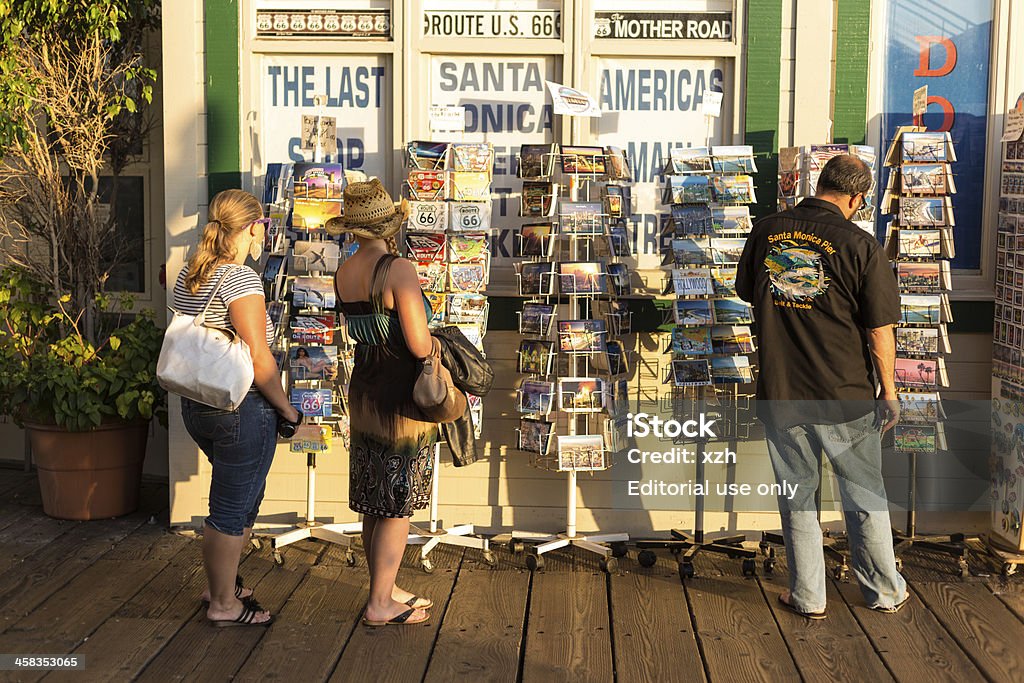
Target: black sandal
{"x":814,"y":616}
{"x":401,"y":620}
{"x":411,"y":602}
{"x":239,"y":587}
{"x":250,"y":608}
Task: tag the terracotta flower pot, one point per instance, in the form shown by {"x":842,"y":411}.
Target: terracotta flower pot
{"x":89,"y":475}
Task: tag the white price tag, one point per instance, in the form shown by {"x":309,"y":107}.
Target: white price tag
{"x":447,"y":118}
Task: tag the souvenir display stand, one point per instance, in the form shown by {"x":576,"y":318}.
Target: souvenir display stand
{"x":919,"y":241}
{"x":575,"y":239}
{"x":309,"y":347}
{"x":708,"y":190}
{"x":447,"y":237}
{"x":1005,"y":540}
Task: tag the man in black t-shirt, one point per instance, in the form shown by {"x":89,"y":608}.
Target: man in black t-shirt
{"x":825,"y":301}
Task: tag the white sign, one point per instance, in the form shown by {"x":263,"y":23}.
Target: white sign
{"x":471,"y":23}
{"x":712,"y":103}
{"x":651,"y":107}
{"x":1014,"y":126}
{"x":921,"y":100}
{"x":355,"y":91}
{"x":447,"y":118}
{"x":572,"y":102}
{"x":328,"y":133}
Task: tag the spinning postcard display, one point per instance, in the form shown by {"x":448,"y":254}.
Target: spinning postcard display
{"x":708,"y":191}
{"x":920,"y":244}
{"x":571,"y":275}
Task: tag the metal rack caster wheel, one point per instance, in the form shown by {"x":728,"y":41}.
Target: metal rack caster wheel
{"x":255,"y":542}
{"x":1009,"y":569}
{"x":427,"y":566}
{"x":686,"y":570}
{"x":609,"y":565}
{"x":518,"y":547}
{"x":899,"y":564}
{"x":278,"y":559}
{"x":840,"y":573}
{"x":619,"y":548}
{"x":769,"y":565}
{"x":965,"y":570}
{"x":749,"y":567}
{"x":489,"y":558}
{"x":534,"y":562}
{"x":646,"y":558}
{"x":350,"y":558}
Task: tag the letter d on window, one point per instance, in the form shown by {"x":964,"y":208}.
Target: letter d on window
{"x":924,"y":66}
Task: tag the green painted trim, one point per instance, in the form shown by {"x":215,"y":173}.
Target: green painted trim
{"x":761,"y":127}
{"x":850,"y":108}
{"x":223,"y":107}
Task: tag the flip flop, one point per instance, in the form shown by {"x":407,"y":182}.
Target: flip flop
{"x":401,"y":620}
{"x":814,"y":616}
{"x":411,"y":602}
{"x":239,"y":587}
{"x":895,"y":608}
{"x":250,"y":608}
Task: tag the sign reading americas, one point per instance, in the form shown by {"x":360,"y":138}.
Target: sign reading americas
{"x":663,"y":25}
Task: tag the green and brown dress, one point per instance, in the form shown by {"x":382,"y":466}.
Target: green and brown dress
{"x":391,"y":459}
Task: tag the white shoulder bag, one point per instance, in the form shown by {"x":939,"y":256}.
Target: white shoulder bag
{"x":209,"y":365}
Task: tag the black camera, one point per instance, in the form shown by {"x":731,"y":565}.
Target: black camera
{"x":285,"y":428}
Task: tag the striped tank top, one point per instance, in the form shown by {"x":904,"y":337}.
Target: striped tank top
{"x":241,"y":281}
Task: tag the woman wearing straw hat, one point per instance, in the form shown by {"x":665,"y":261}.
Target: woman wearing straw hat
{"x":392,"y":442}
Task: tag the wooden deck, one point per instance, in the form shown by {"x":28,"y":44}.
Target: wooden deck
{"x":124,"y":593}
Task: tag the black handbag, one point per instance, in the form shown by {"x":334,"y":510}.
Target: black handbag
{"x":469,"y":369}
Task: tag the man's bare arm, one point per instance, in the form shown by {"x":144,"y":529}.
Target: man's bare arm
{"x":882,"y":345}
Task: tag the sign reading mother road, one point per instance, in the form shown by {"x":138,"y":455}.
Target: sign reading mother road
{"x":664,"y":25}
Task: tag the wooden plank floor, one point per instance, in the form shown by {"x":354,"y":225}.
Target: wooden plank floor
{"x":125,"y":595}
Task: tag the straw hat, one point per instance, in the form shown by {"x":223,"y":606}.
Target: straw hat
{"x":369,"y":212}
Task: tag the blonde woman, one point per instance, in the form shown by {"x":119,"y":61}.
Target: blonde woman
{"x":239,"y":443}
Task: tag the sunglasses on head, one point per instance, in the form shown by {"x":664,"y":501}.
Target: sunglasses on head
{"x":264,"y":221}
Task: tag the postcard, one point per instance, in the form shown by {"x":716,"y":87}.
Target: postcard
{"x":789,"y":183}
{"x":581,"y":218}
{"x":921,"y":309}
{"x":537,"y":198}
{"x":433,"y":275}
{"x":917,"y":373}
{"x":731,"y":339}
{"x":919,"y":407}
{"x":536,"y":319}
{"x":618,"y":359}
{"x":315,"y":257}
{"x":312,"y":214}
{"x":696,"y":252}
{"x":618,"y":239}
{"x":582,"y":336}
{"x":688,"y":189}
{"x":537,"y":161}
{"x":917,"y":341}
{"x":428,"y":216}
{"x":426,"y":155}
{"x":691,"y":373}
{"x":425,"y":246}
{"x":611,"y":197}
{"x":730,"y":219}
{"x":618,"y":278}
{"x":469,"y":216}
{"x":691,"y":282}
{"x":535,"y":396}
{"x":535,"y":240}
{"x":690,"y":160}
{"x":535,"y":356}
{"x":923,"y":276}
{"x":311,"y":438}
{"x":467,"y":277}
{"x":466,"y":308}
{"x":692,"y":219}
{"x":733,"y":159}
{"x":731,"y":370}
{"x":727,"y":250}
{"x":691,"y":341}
{"x":724,"y":281}
{"x":318,"y":181}
{"x":272,"y":270}
{"x":924,"y":211}
{"x":468,"y":248}
{"x":535,"y":435}
{"x":582,"y":452}
{"x":582,"y":278}
{"x":475,"y":157}
{"x":313,"y":362}
{"x":919,"y":243}
{"x":580,"y":394}
{"x":429,"y":186}
{"x":923,"y":147}
{"x":924,"y":178}
{"x":735,"y":189}
{"x":473,"y":332}
{"x":470,"y":186}
{"x":732,"y":312}
{"x":438,"y":302}
{"x":312,"y":402}
{"x":536,"y":279}
{"x":313,"y":292}
{"x":692,"y":311}
{"x":582,"y":160}
{"x":914,"y":438}
{"x":617,"y":164}
{"x":313,"y":329}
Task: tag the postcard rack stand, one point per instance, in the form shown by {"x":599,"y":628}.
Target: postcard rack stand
{"x":578,"y":240}
{"x":448,"y":237}
{"x":919,"y":241}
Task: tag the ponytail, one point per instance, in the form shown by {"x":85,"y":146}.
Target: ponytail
{"x":230,"y":211}
{"x":392,"y":245}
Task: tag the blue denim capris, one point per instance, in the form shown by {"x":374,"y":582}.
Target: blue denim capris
{"x":240,"y":445}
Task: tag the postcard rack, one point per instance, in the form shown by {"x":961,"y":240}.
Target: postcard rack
{"x":311,"y":351}
{"x":448,"y":238}
{"x":575,"y":365}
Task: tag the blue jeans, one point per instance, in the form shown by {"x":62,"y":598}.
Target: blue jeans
{"x":240,"y":445}
{"x":854,"y":450}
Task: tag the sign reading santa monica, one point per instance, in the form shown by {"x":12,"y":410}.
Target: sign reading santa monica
{"x":663,"y":25}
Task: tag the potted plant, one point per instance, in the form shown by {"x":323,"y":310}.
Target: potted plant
{"x":77,"y":367}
